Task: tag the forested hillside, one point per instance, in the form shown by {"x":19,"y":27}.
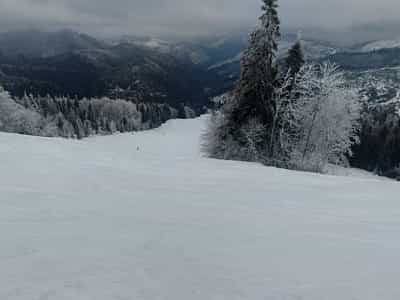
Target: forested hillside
{"x":75,"y":65}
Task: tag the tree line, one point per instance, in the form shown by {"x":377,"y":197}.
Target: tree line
{"x":80,"y":118}
{"x":379,"y":147}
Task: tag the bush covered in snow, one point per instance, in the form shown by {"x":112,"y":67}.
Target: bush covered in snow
{"x":326,"y":116}
{"x":18,"y":119}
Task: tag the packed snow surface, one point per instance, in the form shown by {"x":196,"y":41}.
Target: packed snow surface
{"x":384,"y":44}
{"x":144,"y":216}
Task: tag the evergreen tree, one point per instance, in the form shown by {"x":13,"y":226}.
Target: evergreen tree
{"x":243,"y":129}
{"x":295,"y":59}
{"x":254,"y":93}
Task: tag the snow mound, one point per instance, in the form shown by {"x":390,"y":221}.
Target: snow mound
{"x":146,"y":216}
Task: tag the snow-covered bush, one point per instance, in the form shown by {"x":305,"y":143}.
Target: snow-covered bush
{"x":216,"y":140}
{"x":16,"y":118}
{"x":326,"y":115}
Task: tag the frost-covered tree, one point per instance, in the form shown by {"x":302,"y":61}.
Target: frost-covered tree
{"x":16,"y":118}
{"x":327,"y":115}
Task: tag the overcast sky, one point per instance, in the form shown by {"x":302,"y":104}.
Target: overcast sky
{"x":185,"y":16}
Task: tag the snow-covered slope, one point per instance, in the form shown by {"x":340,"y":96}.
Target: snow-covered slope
{"x":144,"y":216}
{"x":384,"y":44}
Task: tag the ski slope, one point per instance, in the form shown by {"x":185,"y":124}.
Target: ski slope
{"x":144,"y":216}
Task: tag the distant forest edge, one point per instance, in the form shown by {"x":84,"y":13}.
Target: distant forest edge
{"x":72,"y":118}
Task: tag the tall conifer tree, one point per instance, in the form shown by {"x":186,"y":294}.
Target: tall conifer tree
{"x":254,"y":93}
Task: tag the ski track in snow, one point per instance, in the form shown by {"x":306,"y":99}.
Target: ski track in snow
{"x":98,"y":219}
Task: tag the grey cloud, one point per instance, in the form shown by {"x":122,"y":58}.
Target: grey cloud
{"x":184,"y":16}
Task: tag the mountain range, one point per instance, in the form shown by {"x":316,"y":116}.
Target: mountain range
{"x":74,"y":64}
{"x":149,"y":69}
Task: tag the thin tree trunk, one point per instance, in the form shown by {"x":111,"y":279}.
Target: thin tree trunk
{"x":271,"y":139}
{"x":309,"y":134}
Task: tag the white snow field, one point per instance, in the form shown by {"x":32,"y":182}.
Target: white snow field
{"x":101,"y":219}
